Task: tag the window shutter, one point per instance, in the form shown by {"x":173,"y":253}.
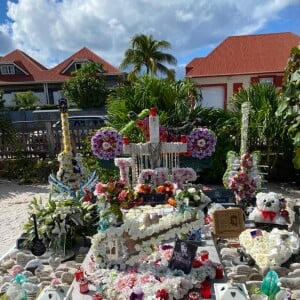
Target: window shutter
{"x":254,"y":80}
{"x":237,"y":87}
{"x":278,"y":81}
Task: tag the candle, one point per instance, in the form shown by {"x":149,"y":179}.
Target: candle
{"x":183,"y":139}
{"x":83,"y":286}
{"x":219,"y":271}
{"x":205,"y":290}
{"x":204,"y":254}
{"x":126,"y":140}
{"x":153,"y":111}
{"x":154,"y":127}
{"x":79,"y":274}
{"x":194,"y":296}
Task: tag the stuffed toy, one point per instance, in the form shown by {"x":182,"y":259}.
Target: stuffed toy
{"x":270,"y":208}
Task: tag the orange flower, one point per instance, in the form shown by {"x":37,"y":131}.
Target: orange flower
{"x":172,"y":202}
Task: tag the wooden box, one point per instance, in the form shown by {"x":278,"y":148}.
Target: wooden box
{"x":228,"y":223}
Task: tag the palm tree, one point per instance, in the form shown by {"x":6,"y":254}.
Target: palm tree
{"x":145,"y":52}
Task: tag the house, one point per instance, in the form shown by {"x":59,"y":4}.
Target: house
{"x":20,"y":73}
{"x":240,"y":61}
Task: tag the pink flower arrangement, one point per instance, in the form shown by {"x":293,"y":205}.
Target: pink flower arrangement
{"x":243,"y":186}
{"x":126,"y":282}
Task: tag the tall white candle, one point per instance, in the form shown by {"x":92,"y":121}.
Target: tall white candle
{"x":154,"y":126}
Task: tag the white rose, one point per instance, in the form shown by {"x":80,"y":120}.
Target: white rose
{"x":197,"y":197}
{"x":191,"y":190}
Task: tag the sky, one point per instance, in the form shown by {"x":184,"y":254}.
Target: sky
{"x":52,"y":30}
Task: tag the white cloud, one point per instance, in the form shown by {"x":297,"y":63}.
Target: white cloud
{"x":52,"y":30}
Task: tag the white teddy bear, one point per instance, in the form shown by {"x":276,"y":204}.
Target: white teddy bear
{"x":269,"y":208}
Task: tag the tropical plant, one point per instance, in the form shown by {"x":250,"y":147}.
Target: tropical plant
{"x":171,"y":99}
{"x":289,"y":107}
{"x":146,"y":52}
{"x":25,"y":100}
{"x":87,"y":87}
{"x":226,"y":125}
{"x":266,"y":130}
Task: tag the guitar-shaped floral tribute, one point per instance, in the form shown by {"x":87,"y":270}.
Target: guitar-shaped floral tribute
{"x":71,"y":176}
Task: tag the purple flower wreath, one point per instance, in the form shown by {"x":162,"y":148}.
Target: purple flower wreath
{"x":107,"y":144}
{"x":201,"y":143}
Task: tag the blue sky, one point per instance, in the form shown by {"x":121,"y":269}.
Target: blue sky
{"x":52,"y":30}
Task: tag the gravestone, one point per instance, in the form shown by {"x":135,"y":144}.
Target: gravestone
{"x":224,"y":197}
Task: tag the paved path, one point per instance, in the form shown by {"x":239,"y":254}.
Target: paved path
{"x":14,"y":201}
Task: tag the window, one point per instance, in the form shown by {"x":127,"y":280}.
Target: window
{"x":7,"y":69}
{"x":77,"y":66}
{"x":266,"y":80}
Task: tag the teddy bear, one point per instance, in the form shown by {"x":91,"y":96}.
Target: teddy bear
{"x":269,"y":209}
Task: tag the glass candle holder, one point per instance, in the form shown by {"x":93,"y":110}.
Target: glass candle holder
{"x":194,"y":296}
{"x":205,"y":290}
{"x":219,"y":271}
{"x":83,"y":286}
{"x":79,"y":274}
{"x":204,"y":254}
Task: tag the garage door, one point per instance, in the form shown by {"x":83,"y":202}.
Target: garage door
{"x":213,"y":96}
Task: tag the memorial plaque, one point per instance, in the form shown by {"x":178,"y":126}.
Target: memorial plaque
{"x":154,"y":199}
{"x":183,"y":256}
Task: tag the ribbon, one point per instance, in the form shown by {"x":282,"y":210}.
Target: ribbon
{"x":268,"y":214}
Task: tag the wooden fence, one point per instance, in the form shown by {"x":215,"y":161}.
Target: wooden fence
{"x":39,"y":139}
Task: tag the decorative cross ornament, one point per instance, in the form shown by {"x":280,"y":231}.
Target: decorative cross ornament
{"x":153,"y":154}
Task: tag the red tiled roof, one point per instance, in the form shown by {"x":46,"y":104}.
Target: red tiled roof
{"x":26,"y":63}
{"x":39,"y":73}
{"x":249,"y":54}
{"x":56,"y":74}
